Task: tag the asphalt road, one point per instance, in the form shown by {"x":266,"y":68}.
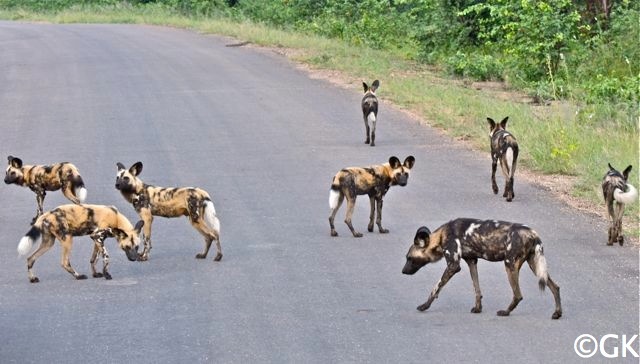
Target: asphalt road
{"x":265,"y":140}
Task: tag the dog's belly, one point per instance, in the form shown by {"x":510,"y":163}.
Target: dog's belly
{"x":168,"y":211}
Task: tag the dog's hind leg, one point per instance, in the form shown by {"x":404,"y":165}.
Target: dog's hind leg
{"x":450,"y":271}
{"x":513,"y":273}
{"x":555,"y":290}
{"x":473,"y":269}
{"x":351,"y":202}
{"x":367,"y":129}
{"x":339,"y":199}
{"x":494,"y":167}
{"x":66,"y":242}
{"x":45,"y":245}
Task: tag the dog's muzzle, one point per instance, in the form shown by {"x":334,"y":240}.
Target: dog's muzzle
{"x":410,"y":268}
{"x":132,"y":254}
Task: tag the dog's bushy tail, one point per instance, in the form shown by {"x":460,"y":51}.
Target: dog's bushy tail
{"x":78,"y":187}
{"x":541,"y":266}
{"x":371,"y":117}
{"x":210,"y":216}
{"x":26,"y":243}
{"x":334,"y":197}
{"x":630,"y":196}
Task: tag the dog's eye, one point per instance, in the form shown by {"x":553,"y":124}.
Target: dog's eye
{"x":126,"y":179}
{"x":13,"y":173}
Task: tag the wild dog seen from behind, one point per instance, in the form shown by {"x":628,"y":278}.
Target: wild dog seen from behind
{"x":370,"y":111}
{"x":373,"y":181}
{"x":43,"y":178}
{"x":472,"y":239}
{"x":150,"y":201}
{"x":617,"y":193}
{"x":504,"y":149}
{"x":67,"y":221}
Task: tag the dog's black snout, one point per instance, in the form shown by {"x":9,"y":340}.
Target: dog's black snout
{"x":132,"y":254}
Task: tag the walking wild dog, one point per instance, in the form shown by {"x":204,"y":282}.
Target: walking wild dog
{"x":67,"y":221}
{"x":617,"y":192}
{"x":370,"y":111}
{"x":150,"y":201}
{"x":470,"y":240}
{"x":373,"y":181}
{"x":504,"y":148}
{"x":41,"y":179}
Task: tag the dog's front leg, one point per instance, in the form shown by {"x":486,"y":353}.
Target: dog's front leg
{"x":98,"y":238}
{"x":145,"y":215}
{"x":450,"y":271}
{"x":367,"y":130}
{"x":372,"y":213}
{"x":379,"y":218}
{"x":40,"y":194}
{"x":513,"y":273}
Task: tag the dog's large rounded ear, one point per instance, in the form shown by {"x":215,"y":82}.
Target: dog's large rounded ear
{"x":503,"y":123}
{"x":492,"y":123}
{"x":626,"y":172}
{"x":138,"y":227}
{"x":120,"y":166}
{"x":394,"y":162}
{"x":409,"y":162}
{"x":375,"y":85}
{"x":366,"y":87}
{"x":422,"y":237}
{"x":136,"y":168}
{"x":611,"y":167}
{"x":15,"y":162}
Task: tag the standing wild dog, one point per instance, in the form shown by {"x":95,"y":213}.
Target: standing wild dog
{"x":504,"y":148}
{"x":370,"y":111}
{"x":373,"y":181}
{"x":150,"y":201}
{"x":67,"y":221}
{"x":617,"y":192}
{"x":41,"y":179}
{"x":472,"y":239}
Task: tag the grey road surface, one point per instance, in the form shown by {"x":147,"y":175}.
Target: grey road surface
{"x":265,"y":140}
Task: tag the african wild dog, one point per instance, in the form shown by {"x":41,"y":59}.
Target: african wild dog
{"x":150,"y":201}
{"x":504,"y":148}
{"x":617,"y":192}
{"x":67,"y":221}
{"x":370,"y":111}
{"x":41,"y":178}
{"x":373,"y":181}
{"x":472,"y":239}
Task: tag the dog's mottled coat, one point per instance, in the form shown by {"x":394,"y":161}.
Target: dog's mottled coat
{"x":472,"y":239}
{"x":150,"y":201}
{"x":67,"y":221}
{"x":373,"y":181}
{"x":504,"y":148}
{"x":369,"y":106}
{"x":617,"y":192}
{"x":43,"y":178}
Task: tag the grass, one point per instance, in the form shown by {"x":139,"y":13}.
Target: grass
{"x":562,"y":138}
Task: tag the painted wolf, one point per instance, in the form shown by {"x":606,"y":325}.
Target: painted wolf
{"x":617,"y":192}
{"x":43,"y":178}
{"x":150,"y":201}
{"x":370,"y":111}
{"x":374,"y":181}
{"x":504,"y":148}
{"x":67,"y":221}
{"x":472,"y":239}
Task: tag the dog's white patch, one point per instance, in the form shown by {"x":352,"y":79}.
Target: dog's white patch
{"x":509,"y":247}
{"x":509,"y":156}
{"x":541,"y":265}
{"x":496,"y":223}
{"x":81,"y":194}
{"x":628,"y":197}
{"x":458,"y":254}
{"x":422,"y":243}
{"x":334,"y":197}
{"x":471,"y":228}
{"x":24,"y":247}
{"x":210,"y":216}
{"x":371,"y":117}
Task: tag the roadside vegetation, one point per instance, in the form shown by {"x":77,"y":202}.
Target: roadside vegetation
{"x":567,"y":73}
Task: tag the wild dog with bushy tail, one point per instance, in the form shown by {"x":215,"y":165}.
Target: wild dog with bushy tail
{"x":373,"y":181}
{"x":473,"y":239}
{"x":504,"y":148}
{"x":67,"y":221}
{"x":43,"y":178}
{"x":617,"y":193}
{"x":150,"y":201}
{"x":370,"y":111}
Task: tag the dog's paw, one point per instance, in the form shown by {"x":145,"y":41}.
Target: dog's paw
{"x":384,"y":231}
{"x":218,"y":257}
{"x":143,"y":258}
{"x":81,"y":277}
{"x":107,"y":276}
{"x":357,"y":235}
{"x":423,"y":307}
{"x":34,"y":280}
{"x":476,"y":310}
{"x":334,"y":233}
{"x":98,"y":275}
{"x":495,"y":190}
{"x":503,"y":313}
{"x":370,"y":228}
{"x":556,"y":315}
{"x":201,"y":256}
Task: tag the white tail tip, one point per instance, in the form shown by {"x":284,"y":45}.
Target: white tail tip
{"x":210,"y":216}
{"x":334,"y":197}
{"x":24,"y":247}
{"x":371,"y":117}
{"x":628,"y":197}
{"x":81,"y":194}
